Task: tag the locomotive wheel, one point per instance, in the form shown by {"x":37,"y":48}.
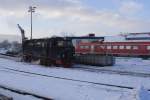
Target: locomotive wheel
{"x":27,"y":58}
{"x":41,"y":62}
{"x":24,"y":58}
{"x":67,"y":65}
{"x":48,"y":62}
{"x":45,"y":62}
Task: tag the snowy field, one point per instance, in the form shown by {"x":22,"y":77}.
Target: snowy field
{"x":127,"y":64}
{"x":17,"y":96}
{"x":79,"y":85}
{"x":3,"y":51}
{"x":132,"y":65}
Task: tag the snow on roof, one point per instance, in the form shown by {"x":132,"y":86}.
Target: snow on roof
{"x":140,"y":33}
{"x":128,"y":37}
{"x":114,"y":39}
{"x":137,"y":35}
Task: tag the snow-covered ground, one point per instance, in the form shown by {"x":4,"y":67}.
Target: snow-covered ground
{"x":128,"y":64}
{"x":3,"y":51}
{"x":17,"y":96}
{"x":61,"y":89}
{"x":133,"y":64}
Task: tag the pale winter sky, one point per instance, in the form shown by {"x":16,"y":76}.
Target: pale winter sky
{"x":77,"y":17}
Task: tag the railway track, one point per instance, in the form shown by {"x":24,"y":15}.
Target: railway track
{"x":69,"y":79}
{"x":10,"y":55}
{"x":110,"y":71}
{"x":21,"y":92}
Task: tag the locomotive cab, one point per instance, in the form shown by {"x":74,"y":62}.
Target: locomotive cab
{"x":52,"y":51}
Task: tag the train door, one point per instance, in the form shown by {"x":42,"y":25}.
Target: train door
{"x":52,"y":48}
{"x":45,"y":58}
{"x":135,"y":50}
{"x":148,"y":50}
{"x":92,"y":49}
{"x":129,"y":49}
{"x":143,"y":49}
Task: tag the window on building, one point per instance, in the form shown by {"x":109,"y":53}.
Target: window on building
{"x":128,"y":47}
{"x":115,"y":47}
{"x":135,"y":47}
{"x":108,"y":47}
{"x":148,"y":47}
{"x":121,"y":47}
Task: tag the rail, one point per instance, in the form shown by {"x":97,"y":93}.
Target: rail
{"x":69,"y":79}
{"x":24,"y":92}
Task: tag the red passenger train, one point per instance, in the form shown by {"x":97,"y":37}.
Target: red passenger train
{"x":140,"y":48}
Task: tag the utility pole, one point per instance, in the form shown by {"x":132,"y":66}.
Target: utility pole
{"x":31,"y":10}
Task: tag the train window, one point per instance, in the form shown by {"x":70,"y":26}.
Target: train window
{"x":37,"y":44}
{"x":87,"y":47}
{"x":121,"y":47}
{"x":42,"y":44}
{"x":108,"y":47}
{"x":96,"y":46}
{"x":148,"y":47}
{"x":60,"y":43}
{"x":68,"y":43}
{"x":30,"y":44}
{"x":99,"y":47}
{"x":81,"y":47}
{"x":102,"y":47}
{"x":128,"y":47}
{"x":115,"y":47}
{"x":84,"y":47}
{"x":135,"y":47}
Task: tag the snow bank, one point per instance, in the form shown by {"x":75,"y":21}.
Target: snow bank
{"x":66,"y":90}
{"x":3,"y":51}
{"x":142,"y":94}
{"x":137,"y":94}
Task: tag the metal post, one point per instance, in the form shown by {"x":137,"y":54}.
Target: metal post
{"x":31,"y":10}
{"x":31,"y":24}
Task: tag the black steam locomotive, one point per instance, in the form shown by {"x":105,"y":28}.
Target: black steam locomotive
{"x":49,"y":51}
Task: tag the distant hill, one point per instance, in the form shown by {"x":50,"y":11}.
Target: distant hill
{"x":10,"y":38}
